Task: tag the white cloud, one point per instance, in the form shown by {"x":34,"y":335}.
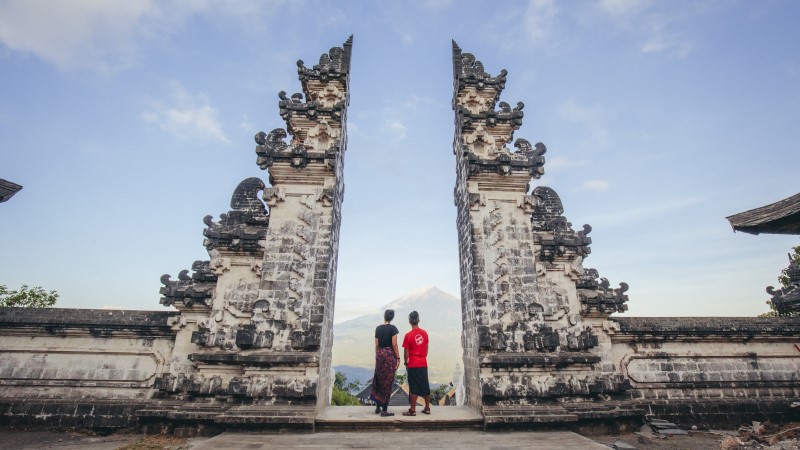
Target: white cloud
{"x":592,"y":118}
{"x":647,"y":212}
{"x":78,"y":33}
{"x":394,"y":129}
{"x":436,"y":5}
{"x":106,"y":36}
{"x":539,"y":18}
{"x":677,"y":46}
{"x":186,"y":117}
{"x":416,"y":101}
{"x":562,"y":162}
{"x":654,"y":29}
{"x":596,"y":185}
{"x":623,"y":7}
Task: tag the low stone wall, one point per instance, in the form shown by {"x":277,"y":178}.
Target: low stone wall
{"x":101,"y":368}
{"x":709,"y":370}
{"x":80,"y":367}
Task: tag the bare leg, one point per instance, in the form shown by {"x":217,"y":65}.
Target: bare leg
{"x":412,"y":398}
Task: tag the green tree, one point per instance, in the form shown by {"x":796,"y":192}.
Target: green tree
{"x":29,"y":297}
{"x":794,"y":258}
{"x":342,"y":389}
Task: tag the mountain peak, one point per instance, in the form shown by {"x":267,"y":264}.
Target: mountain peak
{"x":420,"y":296}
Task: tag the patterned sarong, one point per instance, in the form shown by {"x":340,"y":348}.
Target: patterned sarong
{"x":383,"y":379}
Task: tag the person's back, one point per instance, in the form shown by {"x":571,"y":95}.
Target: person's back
{"x":415,"y":354}
{"x":416,"y":341}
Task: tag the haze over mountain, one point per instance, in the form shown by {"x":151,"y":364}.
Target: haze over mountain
{"x":440,"y":316}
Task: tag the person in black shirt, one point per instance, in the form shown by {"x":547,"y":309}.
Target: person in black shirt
{"x":387,"y":359}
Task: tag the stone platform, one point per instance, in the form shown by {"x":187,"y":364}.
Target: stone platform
{"x":543,"y":440}
{"x":363,"y":418}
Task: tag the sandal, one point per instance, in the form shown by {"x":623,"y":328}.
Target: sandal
{"x":410,"y":413}
{"x":426,"y":411}
{"x":386,"y":414}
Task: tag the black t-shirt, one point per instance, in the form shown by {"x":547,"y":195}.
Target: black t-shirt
{"x":384,"y":334}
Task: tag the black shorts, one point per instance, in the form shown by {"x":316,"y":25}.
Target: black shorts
{"x":418,"y":381}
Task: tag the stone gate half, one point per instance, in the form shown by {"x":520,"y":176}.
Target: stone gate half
{"x":256,"y":320}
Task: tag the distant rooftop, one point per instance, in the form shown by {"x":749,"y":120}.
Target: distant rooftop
{"x":781,"y":217}
{"x":8,"y":189}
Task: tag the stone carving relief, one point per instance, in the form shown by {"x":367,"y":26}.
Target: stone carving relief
{"x":242,"y":229}
{"x":189,"y":291}
{"x":597,"y":297}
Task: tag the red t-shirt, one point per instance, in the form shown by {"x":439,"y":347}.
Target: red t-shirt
{"x":416,"y":343}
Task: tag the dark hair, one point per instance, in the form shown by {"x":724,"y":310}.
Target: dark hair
{"x":388,"y":315}
{"x":413,"y":318}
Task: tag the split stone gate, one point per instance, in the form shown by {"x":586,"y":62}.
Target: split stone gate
{"x":250,"y":342}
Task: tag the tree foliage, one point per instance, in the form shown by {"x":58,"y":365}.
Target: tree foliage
{"x":29,"y":297}
{"x":440,"y":392}
{"x":794,"y":258}
{"x":342,"y":391}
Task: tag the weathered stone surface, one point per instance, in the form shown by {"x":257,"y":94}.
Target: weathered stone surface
{"x":520,"y":260}
{"x":265,"y":330}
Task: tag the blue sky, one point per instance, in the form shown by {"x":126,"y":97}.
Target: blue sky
{"x":127,"y":122}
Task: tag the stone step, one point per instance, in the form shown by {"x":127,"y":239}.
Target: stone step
{"x":363,"y":418}
{"x":280,"y":416}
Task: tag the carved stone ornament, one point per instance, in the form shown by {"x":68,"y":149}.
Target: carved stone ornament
{"x":330,"y":96}
{"x":596,"y":296}
{"x":527,"y":203}
{"x":243,"y":228}
{"x":189,"y":291}
{"x":321,"y":136}
{"x":274,"y":195}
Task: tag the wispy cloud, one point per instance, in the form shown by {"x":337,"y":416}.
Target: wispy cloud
{"x":436,"y":5}
{"x":539,"y":19}
{"x":592,"y":118}
{"x":107,"y":36}
{"x":654,"y":30}
{"x":394,"y":129}
{"x":415,"y":101}
{"x":677,"y":46}
{"x":187,"y":116}
{"x":596,"y":185}
{"x":647,"y":212}
{"x":562,"y":162}
{"x":623,"y":7}
{"x":79,"y":33}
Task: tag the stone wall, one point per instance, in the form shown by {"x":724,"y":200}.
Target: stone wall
{"x":712,"y":370}
{"x":80,"y":367}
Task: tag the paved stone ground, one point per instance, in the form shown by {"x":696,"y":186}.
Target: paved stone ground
{"x":14,"y":439}
{"x":361,"y":414}
{"x":70,"y":440}
{"x":543,"y":440}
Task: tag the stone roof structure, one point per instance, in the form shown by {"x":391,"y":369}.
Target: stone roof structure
{"x":8,"y":189}
{"x":782,"y":217}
